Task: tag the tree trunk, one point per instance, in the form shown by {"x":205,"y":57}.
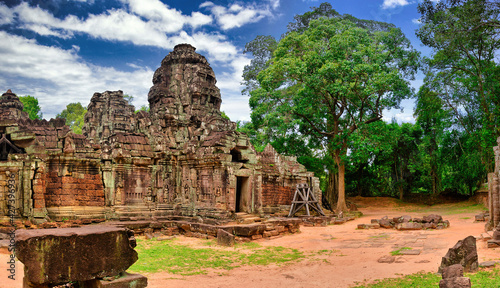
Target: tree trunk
{"x":341,"y":204}
{"x":332,"y":191}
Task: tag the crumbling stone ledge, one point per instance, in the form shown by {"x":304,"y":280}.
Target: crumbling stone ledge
{"x":242,"y":232}
{"x":205,"y":228}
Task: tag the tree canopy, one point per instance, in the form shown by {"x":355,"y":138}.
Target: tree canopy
{"x":31,"y":106}
{"x":463,"y":70}
{"x":332,"y":79}
{"x":74,"y":115}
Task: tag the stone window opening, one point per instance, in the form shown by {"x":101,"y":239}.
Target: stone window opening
{"x":6,"y":148}
{"x":237,"y":157}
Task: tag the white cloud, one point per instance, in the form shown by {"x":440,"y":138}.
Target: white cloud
{"x":61,"y":76}
{"x":275,"y":4}
{"x":388,"y":4}
{"x":167,"y":19}
{"x":416,"y":21}
{"x":6,"y":15}
{"x":236,"y":15}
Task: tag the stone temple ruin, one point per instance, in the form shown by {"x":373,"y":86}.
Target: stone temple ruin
{"x":180,"y":158}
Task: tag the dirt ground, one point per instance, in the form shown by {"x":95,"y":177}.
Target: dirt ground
{"x":354,"y":258}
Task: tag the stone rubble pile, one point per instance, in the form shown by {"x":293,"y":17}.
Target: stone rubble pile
{"x":406,"y":222}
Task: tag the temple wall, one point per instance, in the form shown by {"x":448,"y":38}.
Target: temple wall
{"x":180,"y":158}
{"x":71,"y":183}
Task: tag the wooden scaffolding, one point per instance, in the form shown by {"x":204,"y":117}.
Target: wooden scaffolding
{"x":304,"y":198}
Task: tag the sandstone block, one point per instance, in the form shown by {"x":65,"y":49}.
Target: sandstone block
{"x":57,"y":256}
{"x":224,"y":238}
{"x":385,"y":223}
{"x":453,"y":271}
{"x":463,"y":253}
{"x":458,"y":282}
{"x":409,"y":226}
{"x":386,"y":259}
{"x":433,"y":218}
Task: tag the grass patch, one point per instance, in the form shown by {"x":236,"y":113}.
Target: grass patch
{"x":398,"y":252}
{"x":177,"y":258}
{"x":451,"y":209}
{"x":481,"y":279}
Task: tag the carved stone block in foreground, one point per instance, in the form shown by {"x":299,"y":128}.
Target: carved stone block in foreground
{"x":225,"y":238}
{"x":58,"y":256}
{"x":463,"y":253}
{"x":453,"y":277}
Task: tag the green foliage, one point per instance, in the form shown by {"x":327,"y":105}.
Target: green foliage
{"x":143,"y":108}
{"x":481,"y":279}
{"x":463,"y":70}
{"x":155,"y":256}
{"x":74,"y":115}
{"x":31,"y":107}
{"x":349,"y":73}
{"x":224,"y":115}
{"x":129,"y":98}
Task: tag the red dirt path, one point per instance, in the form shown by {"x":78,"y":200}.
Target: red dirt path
{"x":354,"y":258}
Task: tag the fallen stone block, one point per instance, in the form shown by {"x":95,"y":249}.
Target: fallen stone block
{"x":463,"y":253}
{"x":488,"y":264}
{"x":453,"y":271}
{"x":409,"y":226}
{"x":433,"y":218}
{"x":479,"y":218}
{"x":386,"y":259}
{"x":429,"y":226}
{"x":458,"y":282}
{"x":58,"y":256}
{"x":385,"y":223}
{"x":224,"y":238}
{"x":339,"y":221}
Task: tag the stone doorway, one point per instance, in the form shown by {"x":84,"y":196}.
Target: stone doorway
{"x":243,"y":194}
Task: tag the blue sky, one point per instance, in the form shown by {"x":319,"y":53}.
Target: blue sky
{"x":62,"y":51}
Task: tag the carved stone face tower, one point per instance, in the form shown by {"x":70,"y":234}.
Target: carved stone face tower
{"x":184,"y":90}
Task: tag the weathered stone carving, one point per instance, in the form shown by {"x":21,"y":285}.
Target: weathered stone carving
{"x":463,"y":253}
{"x":180,"y":158}
{"x":59,"y":256}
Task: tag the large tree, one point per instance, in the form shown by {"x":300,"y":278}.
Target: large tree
{"x":74,"y":115}
{"x":463,"y":70}
{"x":31,"y":107}
{"x":334,"y":78}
